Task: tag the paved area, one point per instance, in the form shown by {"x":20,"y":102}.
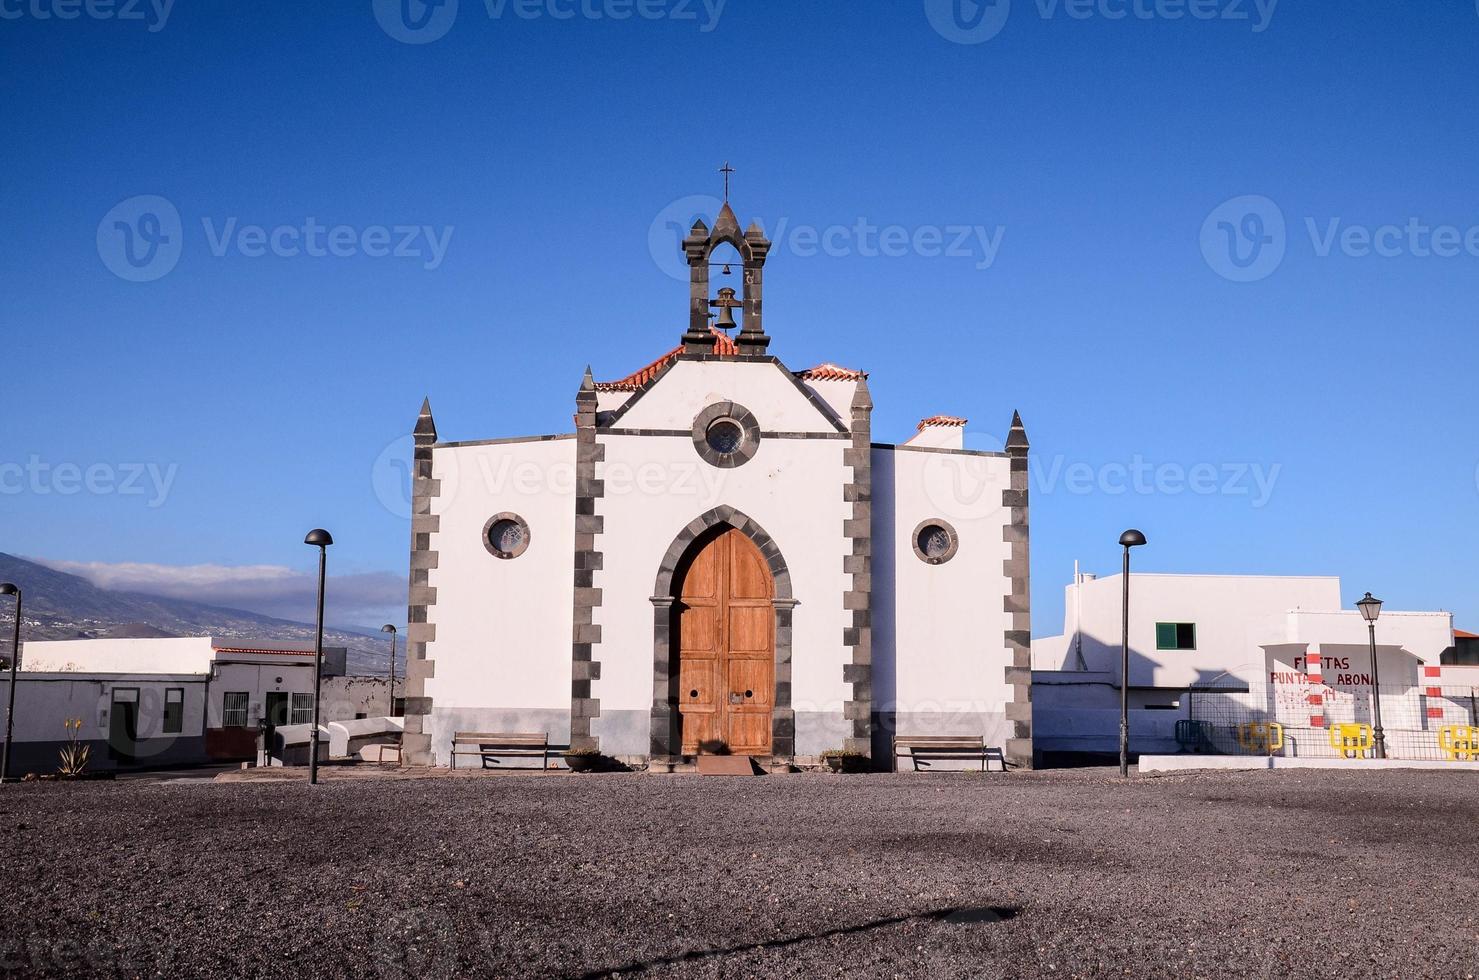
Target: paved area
{"x":1070,"y":873}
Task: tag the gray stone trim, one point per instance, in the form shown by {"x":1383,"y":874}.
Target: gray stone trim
{"x":688,"y":433}
{"x":1017,"y":638}
{"x":948,"y":528}
{"x":507,"y":515}
{"x":740,"y":415}
{"x":941,"y":449}
{"x":608,"y":419}
{"x":585,"y":636}
{"x":416,"y":745}
{"x":503,"y":442}
{"x":666,"y":739}
{"x":857,"y":601}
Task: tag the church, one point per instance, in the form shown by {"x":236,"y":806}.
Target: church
{"x":720,"y":558}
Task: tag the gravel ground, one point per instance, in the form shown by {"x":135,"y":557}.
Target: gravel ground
{"x":1067,"y":873}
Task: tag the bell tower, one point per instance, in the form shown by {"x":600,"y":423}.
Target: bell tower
{"x":752,"y":247}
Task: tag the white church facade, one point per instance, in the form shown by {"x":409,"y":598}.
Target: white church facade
{"x":719,"y":557}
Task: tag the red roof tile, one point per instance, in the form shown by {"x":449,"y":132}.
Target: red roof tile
{"x":1465,"y":635}
{"x":262,"y":650}
{"x":831,"y":372}
{"x":942,"y":421}
{"x":722,"y":345}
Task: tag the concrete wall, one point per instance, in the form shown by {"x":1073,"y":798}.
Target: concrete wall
{"x":45,"y":701}
{"x":351,"y":696}
{"x":502,"y":625}
{"x":162,"y":655}
{"x":939,"y":653}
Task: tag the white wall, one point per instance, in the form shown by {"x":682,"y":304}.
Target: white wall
{"x":938,"y":637}
{"x":766,"y":389}
{"x":503,"y":625}
{"x":44,"y":701}
{"x":256,"y":679}
{"x":1236,"y":617}
{"x":654,"y":486}
{"x":165,"y":655}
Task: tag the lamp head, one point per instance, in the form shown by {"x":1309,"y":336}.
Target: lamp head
{"x":9,"y":588}
{"x":1132,"y":539}
{"x":318,"y":536}
{"x":1370,"y":607}
{"x":387,"y":628}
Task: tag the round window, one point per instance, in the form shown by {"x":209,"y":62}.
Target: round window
{"x":725,"y":437}
{"x":506,"y":535}
{"x":935,"y":542}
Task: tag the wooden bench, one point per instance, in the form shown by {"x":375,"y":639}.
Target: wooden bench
{"x":922,"y":748}
{"x":489,"y":745}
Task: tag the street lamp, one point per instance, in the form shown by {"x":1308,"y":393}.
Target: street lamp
{"x":8,"y":588}
{"x":1130,"y":539}
{"x":388,"y":628}
{"x":1370,"y":607}
{"x":320,"y":539}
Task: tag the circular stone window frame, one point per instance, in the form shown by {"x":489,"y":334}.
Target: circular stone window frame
{"x":739,"y":415}
{"x":943,"y":525}
{"x":488,"y":530}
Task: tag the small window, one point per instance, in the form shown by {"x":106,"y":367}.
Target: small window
{"x":935,"y":542}
{"x":234,"y":709}
{"x":725,"y":437}
{"x":1175,"y":636}
{"x":506,"y":535}
{"x":302,"y":709}
{"x":174,"y":710}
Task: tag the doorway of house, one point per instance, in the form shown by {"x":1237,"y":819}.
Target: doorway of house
{"x":123,"y":725}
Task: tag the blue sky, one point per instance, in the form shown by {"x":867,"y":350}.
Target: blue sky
{"x":1079,"y":194}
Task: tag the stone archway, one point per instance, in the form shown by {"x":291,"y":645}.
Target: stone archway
{"x":666,"y":739}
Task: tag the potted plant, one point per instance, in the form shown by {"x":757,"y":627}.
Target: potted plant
{"x":841,"y":760}
{"x":584,"y":760}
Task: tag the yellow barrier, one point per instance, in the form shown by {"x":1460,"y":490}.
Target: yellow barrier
{"x":1351,"y":740}
{"x":1459,"y":742}
{"x":1263,"y":737}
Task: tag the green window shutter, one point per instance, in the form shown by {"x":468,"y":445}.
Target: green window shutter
{"x":1165,"y":636}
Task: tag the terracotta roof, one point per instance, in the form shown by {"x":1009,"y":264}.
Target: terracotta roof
{"x":722,"y":345}
{"x":831,"y":372}
{"x":1465,"y":635}
{"x":941,"y":421}
{"x":261,"y":650}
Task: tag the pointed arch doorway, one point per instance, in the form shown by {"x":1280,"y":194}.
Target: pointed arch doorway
{"x":722,"y":642}
{"x":724,"y":637}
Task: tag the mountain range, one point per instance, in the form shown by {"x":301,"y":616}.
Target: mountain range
{"x":60,"y":606}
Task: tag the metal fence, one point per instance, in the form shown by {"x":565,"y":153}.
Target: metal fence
{"x":1437,"y":724}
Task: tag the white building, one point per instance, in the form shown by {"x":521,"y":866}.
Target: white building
{"x":1278,"y":639}
{"x":156,"y":701}
{"x":719,"y":552}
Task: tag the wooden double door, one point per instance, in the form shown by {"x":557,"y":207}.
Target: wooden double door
{"x":725,"y":622}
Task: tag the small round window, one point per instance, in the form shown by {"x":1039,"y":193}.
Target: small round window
{"x":725,"y":436}
{"x":506,"y":535}
{"x":935,"y":542}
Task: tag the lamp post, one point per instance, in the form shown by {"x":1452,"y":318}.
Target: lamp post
{"x":8,"y":588}
{"x":1370,"y":607}
{"x":320,"y":539}
{"x":388,"y":628}
{"x":1130,"y":539}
